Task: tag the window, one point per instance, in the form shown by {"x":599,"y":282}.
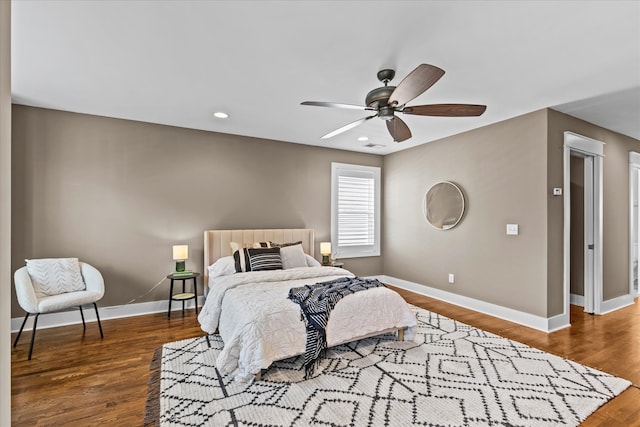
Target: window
{"x":355,"y":210}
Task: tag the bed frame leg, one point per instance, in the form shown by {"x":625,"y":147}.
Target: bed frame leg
{"x":259,"y":375}
{"x":401,"y":334}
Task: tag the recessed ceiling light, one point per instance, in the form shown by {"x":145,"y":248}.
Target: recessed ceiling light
{"x":363,"y":138}
{"x":221,"y":115}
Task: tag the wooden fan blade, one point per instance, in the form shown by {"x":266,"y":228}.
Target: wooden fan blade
{"x":347,"y":127}
{"x":398,"y":129}
{"x":419,"y":80}
{"x":446,"y":110}
{"x":335,"y":105}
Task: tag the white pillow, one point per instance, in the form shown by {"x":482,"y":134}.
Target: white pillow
{"x":222,"y":267}
{"x":54,"y":276}
{"x":293,"y":256}
{"x":312,"y":262}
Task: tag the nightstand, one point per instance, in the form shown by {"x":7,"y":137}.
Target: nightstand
{"x":184,"y":296}
{"x":335,"y":264}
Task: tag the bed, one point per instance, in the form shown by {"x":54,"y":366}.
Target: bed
{"x":259,"y":324}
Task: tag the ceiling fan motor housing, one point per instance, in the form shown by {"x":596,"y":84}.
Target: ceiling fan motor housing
{"x":379,"y":97}
{"x":386,"y":112}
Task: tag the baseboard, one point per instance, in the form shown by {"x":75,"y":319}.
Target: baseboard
{"x":558,"y":322}
{"x":616,"y":303}
{"x":72,"y":317}
{"x":607,"y":306}
{"x":576,"y":300}
{"x":543,"y":324}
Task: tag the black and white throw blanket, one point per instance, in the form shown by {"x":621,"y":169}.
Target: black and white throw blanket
{"x":316,"y":302}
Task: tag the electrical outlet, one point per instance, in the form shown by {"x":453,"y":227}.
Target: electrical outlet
{"x":452,"y":278}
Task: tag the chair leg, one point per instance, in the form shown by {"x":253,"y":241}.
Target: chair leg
{"x":21,"y":328}
{"x":84,"y":325}
{"x":98,"y":317}
{"x":33,"y":335}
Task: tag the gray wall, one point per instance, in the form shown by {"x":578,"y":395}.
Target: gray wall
{"x":501,"y":169}
{"x":118,"y":194}
{"x":615,"y":210}
{"x":507,"y":171}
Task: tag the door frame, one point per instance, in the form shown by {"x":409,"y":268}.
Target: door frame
{"x":590,"y":289}
{"x":594,"y":151}
{"x":634,"y":196}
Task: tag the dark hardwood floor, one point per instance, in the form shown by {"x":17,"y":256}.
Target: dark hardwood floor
{"x":77,"y":379}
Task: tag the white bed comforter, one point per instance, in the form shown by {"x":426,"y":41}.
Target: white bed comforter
{"x":260,"y":325}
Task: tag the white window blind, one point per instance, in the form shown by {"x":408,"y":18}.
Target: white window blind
{"x":355,"y":211}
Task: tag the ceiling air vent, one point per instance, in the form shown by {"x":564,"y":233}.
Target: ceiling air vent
{"x":372,"y":145}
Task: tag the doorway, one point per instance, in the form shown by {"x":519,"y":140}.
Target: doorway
{"x":582,"y":222}
{"x":581,"y":271}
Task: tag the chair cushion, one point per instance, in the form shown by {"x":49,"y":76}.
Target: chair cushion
{"x":64,"y":301}
{"x":54,"y":276}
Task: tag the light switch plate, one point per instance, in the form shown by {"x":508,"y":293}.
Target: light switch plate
{"x":557,"y":191}
{"x":512,"y":229}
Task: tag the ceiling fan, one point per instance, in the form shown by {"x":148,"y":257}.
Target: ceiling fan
{"x":386,"y":101}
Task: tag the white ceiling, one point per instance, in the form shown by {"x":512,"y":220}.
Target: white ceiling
{"x":177,"y":62}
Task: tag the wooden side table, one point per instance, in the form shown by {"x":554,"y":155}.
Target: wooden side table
{"x":184,"y":296}
{"x":334,"y":264}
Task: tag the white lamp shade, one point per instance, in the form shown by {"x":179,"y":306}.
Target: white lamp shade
{"x":180,"y":252}
{"x":325,"y":248}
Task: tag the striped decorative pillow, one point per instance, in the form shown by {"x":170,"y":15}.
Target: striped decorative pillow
{"x":241,"y":260}
{"x":240,"y":255}
{"x":264,"y":259}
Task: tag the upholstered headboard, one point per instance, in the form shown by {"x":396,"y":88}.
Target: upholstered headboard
{"x":217,"y":242}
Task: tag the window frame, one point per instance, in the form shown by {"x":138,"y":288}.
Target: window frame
{"x":350,"y":170}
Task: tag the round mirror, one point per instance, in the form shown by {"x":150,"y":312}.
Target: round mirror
{"x":444,"y":205}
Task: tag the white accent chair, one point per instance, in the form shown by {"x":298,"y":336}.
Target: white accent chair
{"x":34,"y":304}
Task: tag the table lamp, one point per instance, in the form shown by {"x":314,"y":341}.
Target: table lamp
{"x":180,"y":254}
{"x":325,"y":251}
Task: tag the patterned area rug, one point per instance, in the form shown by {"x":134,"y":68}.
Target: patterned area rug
{"x":451,"y":375}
